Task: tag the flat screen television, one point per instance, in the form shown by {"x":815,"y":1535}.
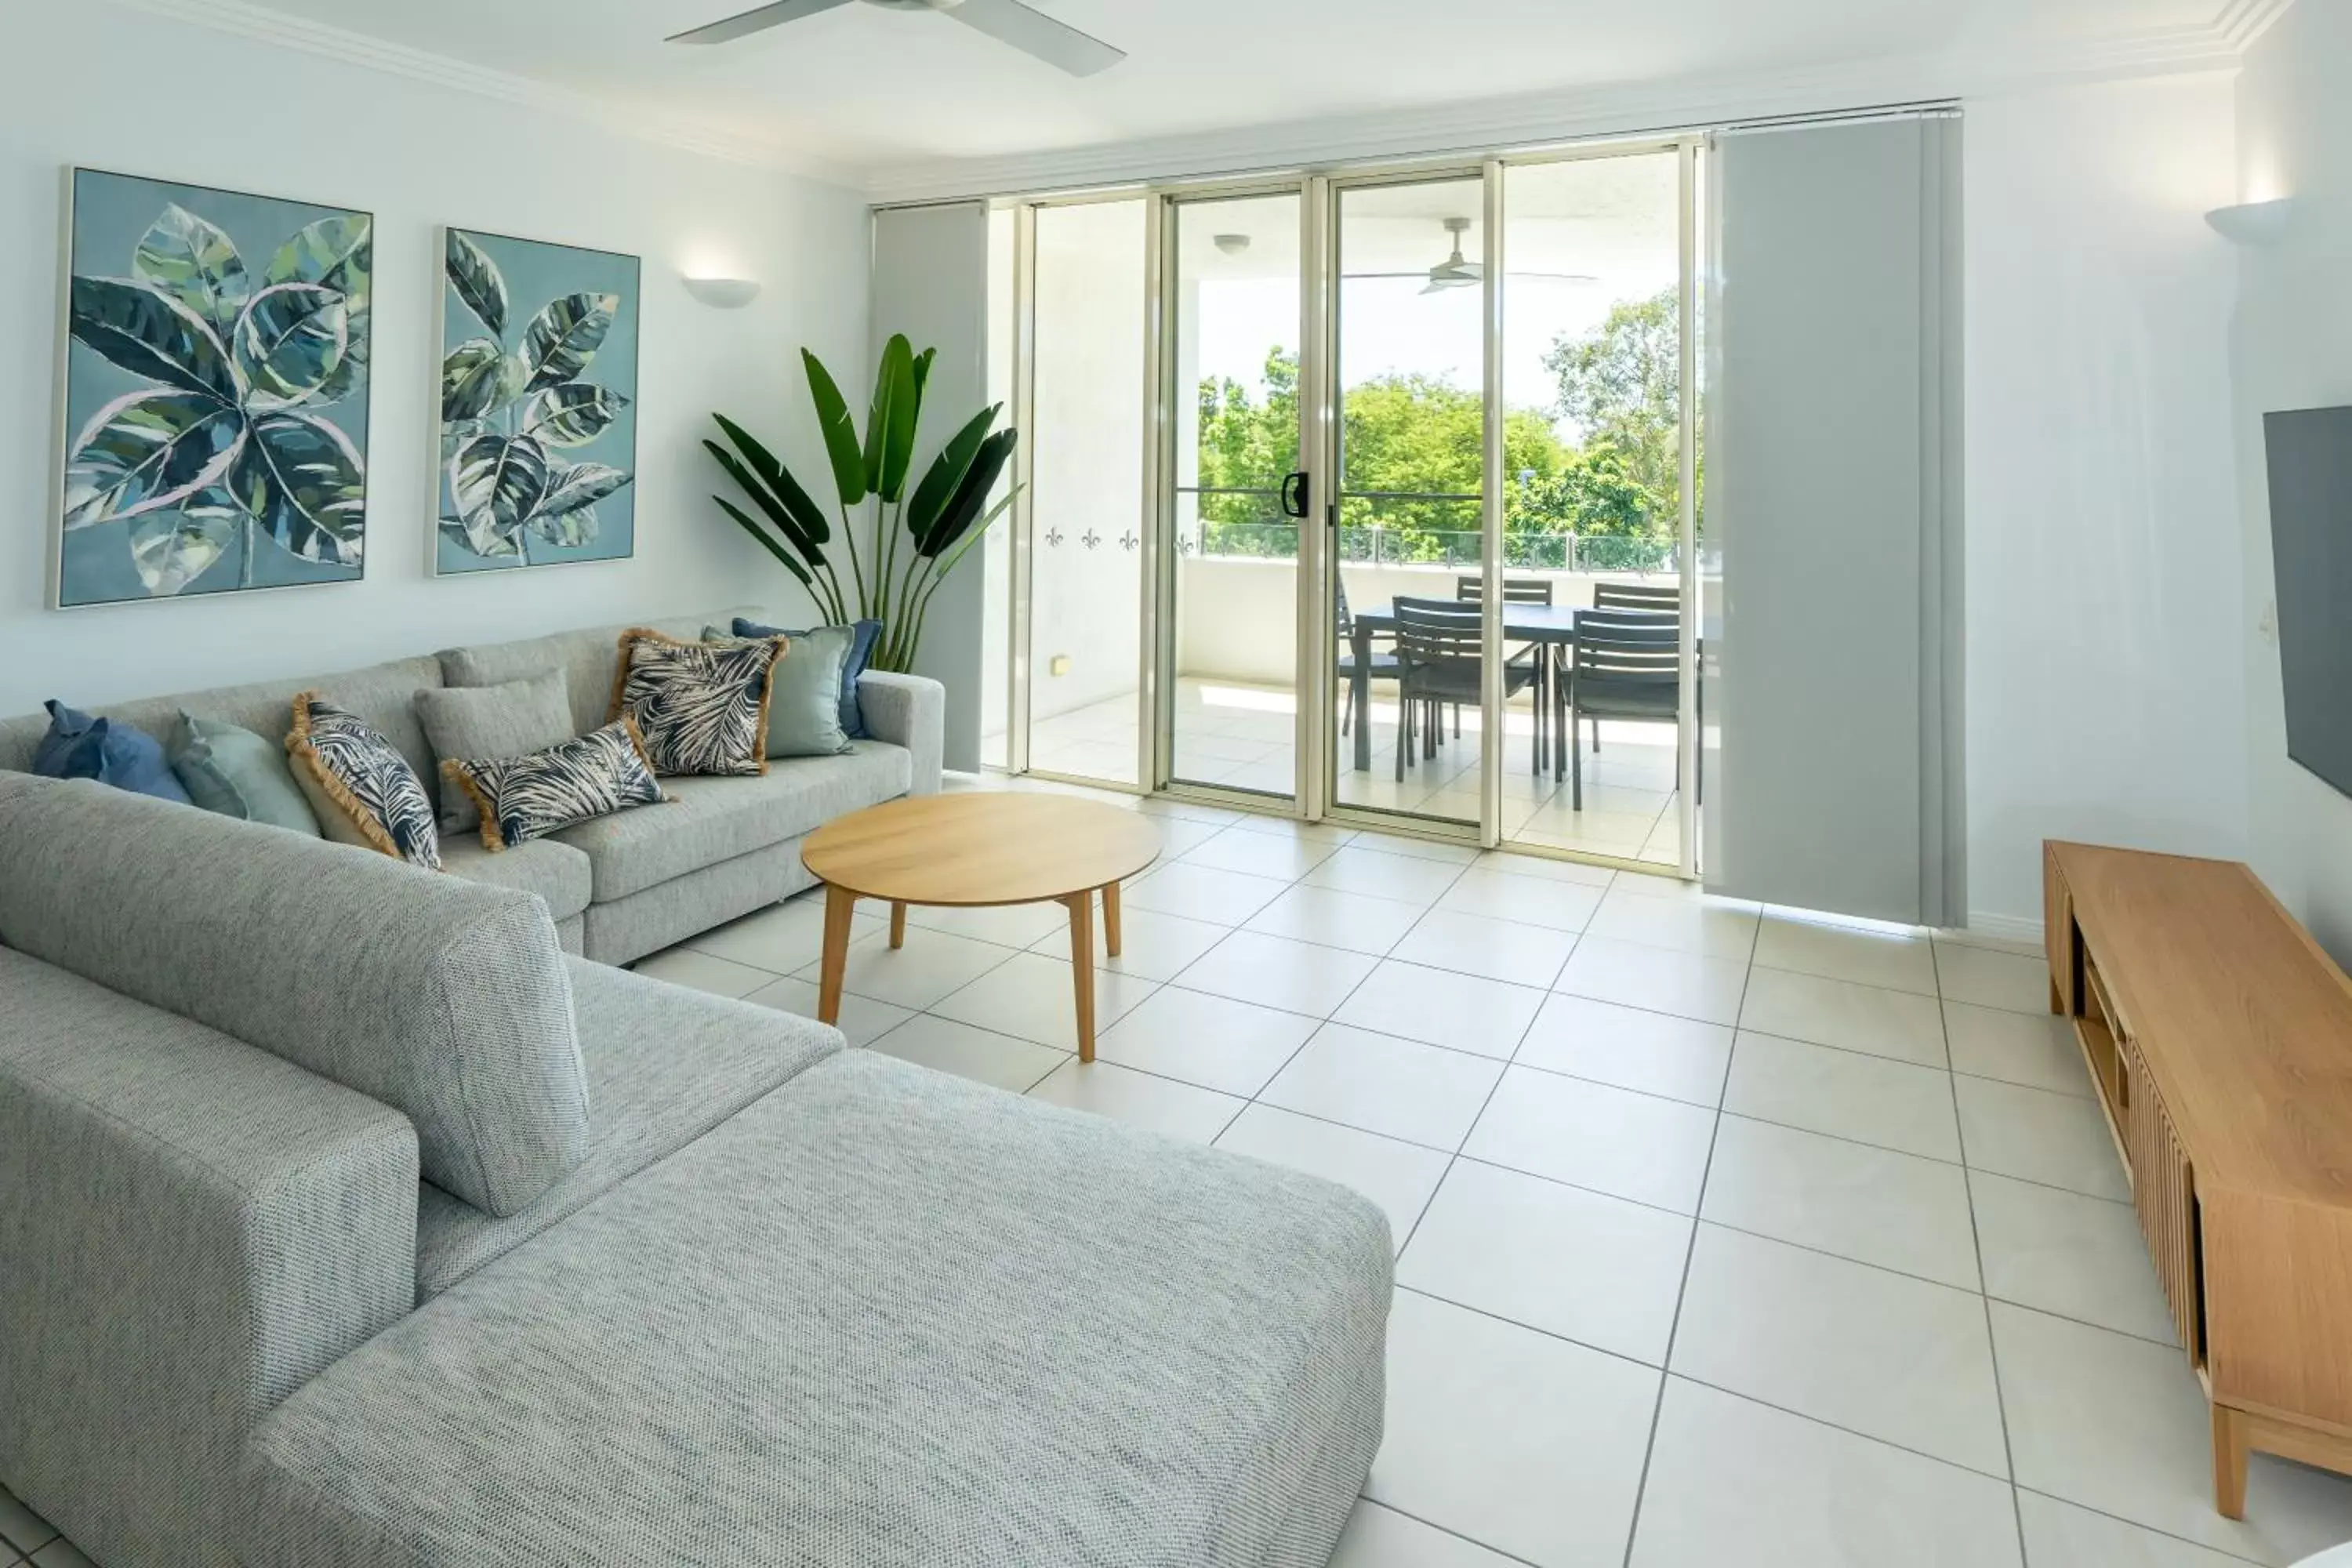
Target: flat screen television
{"x":2310,"y":455}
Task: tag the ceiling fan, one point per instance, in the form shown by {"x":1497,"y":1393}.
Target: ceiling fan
{"x":1007,"y":21}
{"x":1456,"y":272}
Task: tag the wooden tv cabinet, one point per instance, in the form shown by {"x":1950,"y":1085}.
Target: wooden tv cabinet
{"x":2219,"y":1035}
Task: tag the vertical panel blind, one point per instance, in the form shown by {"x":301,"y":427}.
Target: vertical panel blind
{"x":931,"y":282}
{"x":1833,"y":505}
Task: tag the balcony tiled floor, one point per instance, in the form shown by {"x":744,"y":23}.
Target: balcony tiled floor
{"x":1239,"y":736}
{"x":1724,"y":1237}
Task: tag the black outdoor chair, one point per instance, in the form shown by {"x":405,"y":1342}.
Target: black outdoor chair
{"x":1471,"y":589}
{"x":1628,"y":665}
{"x":1381,"y":666}
{"x":1663,"y":598}
{"x":1441,"y":644}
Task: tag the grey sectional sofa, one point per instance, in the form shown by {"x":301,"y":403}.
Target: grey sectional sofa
{"x":346,"y":1220}
{"x":631,"y":884}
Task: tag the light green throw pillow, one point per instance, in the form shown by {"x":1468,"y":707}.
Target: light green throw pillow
{"x":805,"y":692}
{"x":237,"y":774}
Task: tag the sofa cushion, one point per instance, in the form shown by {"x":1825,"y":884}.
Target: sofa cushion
{"x":521,"y":799}
{"x":588,"y":658}
{"x":664,"y":1066}
{"x":480,"y":722}
{"x":359,"y":786}
{"x":556,"y":872}
{"x":713,"y":819}
{"x":229,"y":769}
{"x":700,"y":708}
{"x":881,"y":1317}
{"x":78,"y":746}
{"x":385,"y":695}
{"x":444,"y":998}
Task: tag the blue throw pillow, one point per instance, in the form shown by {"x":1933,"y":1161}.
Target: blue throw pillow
{"x":861,"y":652}
{"x":80,"y":747}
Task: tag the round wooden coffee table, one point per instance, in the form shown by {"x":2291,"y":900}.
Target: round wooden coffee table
{"x":976,"y":850}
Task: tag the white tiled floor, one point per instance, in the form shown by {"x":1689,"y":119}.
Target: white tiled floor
{"x":1702,"y":1261}
{"x":1240,"y":736}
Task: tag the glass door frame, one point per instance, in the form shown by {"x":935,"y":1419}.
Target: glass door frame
{"x":1163,"y":468}
{"x":1316,"y":751}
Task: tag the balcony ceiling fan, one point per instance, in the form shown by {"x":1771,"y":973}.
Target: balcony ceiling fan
{"x":1007,"y":21}
{"x":1456,"y":272}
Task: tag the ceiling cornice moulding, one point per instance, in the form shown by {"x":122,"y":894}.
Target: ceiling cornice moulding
{"x":290,"y":31}
{"x":1569,"y":114}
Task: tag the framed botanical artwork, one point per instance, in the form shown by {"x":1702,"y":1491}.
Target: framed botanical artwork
{"x":215,"y":391}
{"x":538,"y":454}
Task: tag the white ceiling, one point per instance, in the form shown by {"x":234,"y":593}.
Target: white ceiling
{"x":866,"y":91}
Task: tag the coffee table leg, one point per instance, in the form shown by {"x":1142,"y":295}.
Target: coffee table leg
{"x":1110,"y":918}
{"x":840,"y":903}
{"x":1082,"y":967}
{"x":897,"y":924}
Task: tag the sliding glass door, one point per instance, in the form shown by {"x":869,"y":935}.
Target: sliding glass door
{"x":1229,"y":545}
{"x":1374,"y":496}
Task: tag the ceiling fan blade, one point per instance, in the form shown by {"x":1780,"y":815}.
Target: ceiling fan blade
{"x":1034,"y":32}
{"x":757,"y":21}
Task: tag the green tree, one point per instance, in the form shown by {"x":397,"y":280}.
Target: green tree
{"x":1407,"y":436}
{"x":1620,"y":385}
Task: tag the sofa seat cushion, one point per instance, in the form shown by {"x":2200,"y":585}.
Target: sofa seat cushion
{"x":882,"y":1317}
{"x":665,"y":1065}
{"x":709,"y":820}
{"x":556,"y":872}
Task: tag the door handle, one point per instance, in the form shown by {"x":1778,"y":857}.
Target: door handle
{"x":1295,"y":498}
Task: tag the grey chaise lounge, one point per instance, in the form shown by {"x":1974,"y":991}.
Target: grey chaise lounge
{"x":625,"y":886}
{"x":345,"y":1220}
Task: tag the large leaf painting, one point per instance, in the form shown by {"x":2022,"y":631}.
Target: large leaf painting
{"x":217,"y":392}
{"x":538,"y":453}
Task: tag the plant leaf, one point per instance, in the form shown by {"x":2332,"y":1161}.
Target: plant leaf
{"x":923,"y":376}
{"x":790,"y":563}
{"x":805,"y":519}
{"x":506,"y":549}
{"x":196,"y":263}
{"x":288,"y":343}
{"x":302,"y":480}
{"x":890,"y":425}
{"x":572,"y":486}
{"x":149,"y":451}
{"x":478,"y":281}
{"x":840,"y":431}
{"x":571,"y":416}
{"x":570,"y":529}
{"x":498,"y":481}
{"x":971,"y":496}
{"x":945,"y":475}
{"x":171,"y":550}
{"x":563,"y":337}
{"x":777,"y":512}
{"x":335,"y":253}
{"x":152,"y":335}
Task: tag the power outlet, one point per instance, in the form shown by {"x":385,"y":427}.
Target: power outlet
{"x":1058,"y":666}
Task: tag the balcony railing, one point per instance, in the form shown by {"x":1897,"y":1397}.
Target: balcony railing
{"x":1379,"y":546}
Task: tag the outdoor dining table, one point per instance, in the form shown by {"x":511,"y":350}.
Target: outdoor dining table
{"x":1552,"y":625}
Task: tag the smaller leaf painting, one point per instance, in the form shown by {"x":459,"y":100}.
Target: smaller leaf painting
{"x":536,"y":460}
{"x":216,"y":393}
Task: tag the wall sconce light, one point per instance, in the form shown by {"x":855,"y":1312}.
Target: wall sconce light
{"x":723,"y":293}
{"x":2259,"y":224}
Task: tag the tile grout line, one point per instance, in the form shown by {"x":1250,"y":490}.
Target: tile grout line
{"x":1984,"y":1289}
{"x":1682,"y":1291}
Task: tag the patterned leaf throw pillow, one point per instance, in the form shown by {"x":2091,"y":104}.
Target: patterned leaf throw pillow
{"x":700,"y":707}
{"x":522,"y":798}
{"x":363,"y":789}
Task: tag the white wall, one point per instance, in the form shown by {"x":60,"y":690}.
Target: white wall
{"x":83,"y":82}
{"x":2105,"y":621}
{"x":2293,"y":350}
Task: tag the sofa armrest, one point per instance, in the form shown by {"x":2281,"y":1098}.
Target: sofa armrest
{"x":909,"y":711}
{"x":192,"y":1229}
